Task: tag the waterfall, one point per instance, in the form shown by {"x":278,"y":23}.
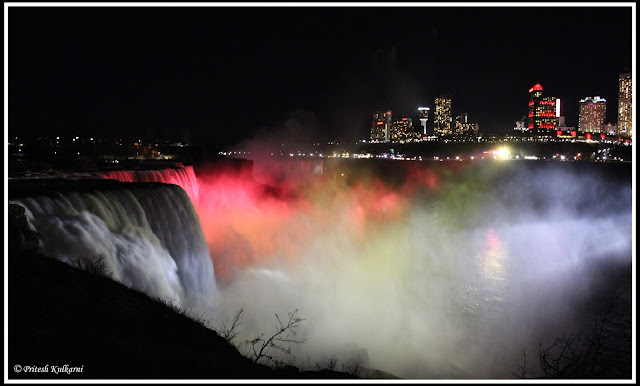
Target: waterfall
{"x":182,"y":176}
{"x":148,"y":235}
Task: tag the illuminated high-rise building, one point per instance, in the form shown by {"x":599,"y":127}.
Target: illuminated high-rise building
{"x":381,"y":126}
{"x":542,"y":110}
{"x":457,"y":125}
{"x":400,"y":130}
{"x":462,"y":124}
{"x":592,"y":114}
{"x":560,"y":119}
{"x":625,"y":124}
{"x":442,"y":116}
{"x":423,"y":114}
{"x":377,"y":128}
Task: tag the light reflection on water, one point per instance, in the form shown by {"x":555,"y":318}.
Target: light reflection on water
{"x":487,"y":278}
{"x":511,"y":298}
{"x":493,"y":265}
{"x":481,"y":303}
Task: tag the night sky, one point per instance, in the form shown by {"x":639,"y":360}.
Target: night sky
{"x":221,"y":74}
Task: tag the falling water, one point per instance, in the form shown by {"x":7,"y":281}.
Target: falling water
{"x":148,"y":236}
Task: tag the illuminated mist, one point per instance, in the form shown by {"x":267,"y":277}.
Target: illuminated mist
{"x":432,"y":270}
{"x":445,"y":271}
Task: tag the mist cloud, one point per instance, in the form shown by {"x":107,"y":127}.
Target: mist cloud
{"x":447,"y":275}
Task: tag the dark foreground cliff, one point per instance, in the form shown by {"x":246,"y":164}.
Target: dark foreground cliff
{"x":60,"y":315}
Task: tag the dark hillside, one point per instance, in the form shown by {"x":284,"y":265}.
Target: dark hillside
{"x":59,"y":315}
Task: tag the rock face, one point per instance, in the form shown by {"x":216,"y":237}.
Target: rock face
{"x":21,"y":237}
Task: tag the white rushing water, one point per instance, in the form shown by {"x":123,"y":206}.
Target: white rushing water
{"x":149,"y":238}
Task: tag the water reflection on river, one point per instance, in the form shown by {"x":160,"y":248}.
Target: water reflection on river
{"x":514,"y":296}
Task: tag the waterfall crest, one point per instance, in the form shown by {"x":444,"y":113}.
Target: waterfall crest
{"x":183,"y":176}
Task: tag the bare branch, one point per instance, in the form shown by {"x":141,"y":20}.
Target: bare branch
{"x":261,"y":347}
{"x":230,"y":333}
{"x":572,"y":356}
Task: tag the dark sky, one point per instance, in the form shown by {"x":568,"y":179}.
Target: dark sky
{"x":222,"y":74}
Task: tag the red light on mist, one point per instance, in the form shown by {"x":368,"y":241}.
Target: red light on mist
{"x":404,"y":119}
{"x":588,"y":135}
{"x":559,"y":133}
{"x":602,"y":135}
{"x":249,"y":224}
{"x":492,"y":240}
{"x":425,"y":178}
{"x":574,"y":133}
{"x":241,"y":220}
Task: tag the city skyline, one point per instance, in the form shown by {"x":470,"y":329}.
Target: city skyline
{"x":548,"y":109}
{"x":229,"y":74}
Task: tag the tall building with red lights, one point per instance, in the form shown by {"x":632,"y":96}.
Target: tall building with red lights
{"x":381,"y":126}
{"x":542,"y":110}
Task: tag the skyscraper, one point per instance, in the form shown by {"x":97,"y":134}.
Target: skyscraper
{"x":625,"y":124}
{"x":442,"y":117}
{"x":542,"y":110}
{"x":400,"y":130}
{"x":462,"y":124}
{"x":381,"y":126}
{"x":592,"y":114}
{"x":560,"y":119}
{"x":423,"y":114}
